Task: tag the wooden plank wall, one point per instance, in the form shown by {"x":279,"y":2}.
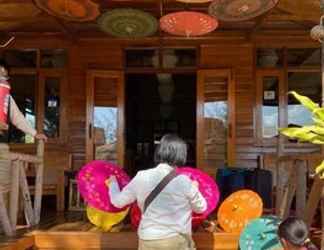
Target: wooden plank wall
{"x":86,"y":55}
{"x":238,"y":57}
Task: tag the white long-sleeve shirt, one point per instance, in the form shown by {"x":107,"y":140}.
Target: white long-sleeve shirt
{"x":19,"y":120}
{"x":170,"y":212}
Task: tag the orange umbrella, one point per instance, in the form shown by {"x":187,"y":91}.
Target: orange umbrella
{"x":188,"y":23}
{"x":194,"y":1}
{"x":72,"y":10}
{"x":238,"y":210}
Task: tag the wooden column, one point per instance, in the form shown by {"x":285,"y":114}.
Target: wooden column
{"x":39,"y":182}
{"x":301,"y":168}
{"x":14,"y":193}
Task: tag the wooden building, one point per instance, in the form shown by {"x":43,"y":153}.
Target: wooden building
{"x":102,"y":97}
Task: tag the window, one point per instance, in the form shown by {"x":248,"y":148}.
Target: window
{"x":300,"y":72}
{"x":37,"y":86}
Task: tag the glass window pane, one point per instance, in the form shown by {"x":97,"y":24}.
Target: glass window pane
{"x":105,"y":119}
{"x":21,"y":58}
{"x":179,"y":58}
{"x":269,"y":58}
{"x":52,"y":107}
{"x":215,"y":122}
{"x":270,"y":107}
{"x":307,"y":84}
{"x":304,"y":57}
{"x":142,"y":58}
{"x":23,"y":92}
{"x":53,"y":58}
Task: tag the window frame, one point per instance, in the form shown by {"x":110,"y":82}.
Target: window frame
{"x":40,"y":75}
{"x":282,"y":73}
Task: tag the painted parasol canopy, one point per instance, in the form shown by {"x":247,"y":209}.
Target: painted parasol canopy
{"x":207,"y":187}
{"x":188,"y":23}
{"x":261,"y":234}
{"x":105,"y":220}
{"x":238,"y":210}
{"x":71,"y":10}
{"x":91,"y":184}
{"x":129,"y":23}
{"x":194,"y":1}
{"x":240,"y":10}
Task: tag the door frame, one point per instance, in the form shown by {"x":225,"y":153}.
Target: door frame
{"x":119,"y":75}
{"x":231,"y":136}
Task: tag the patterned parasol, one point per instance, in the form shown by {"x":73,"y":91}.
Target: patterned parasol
{"x":240,"y":10}
{"x":194,"y":1}
{"x":207,"y":187}
{"x":238,"y":210}
{"x":71,"y":10}
{"x":261,"y":234}
{"x":91,"y":184}
{"x":188,"y":23}
{"x":128,"y":23}
{"x":105,"y":220}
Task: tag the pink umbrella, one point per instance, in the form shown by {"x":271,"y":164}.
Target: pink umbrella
{"x":188,"y":23}
{"x":207,"y":187}
{"x":91,"y":184}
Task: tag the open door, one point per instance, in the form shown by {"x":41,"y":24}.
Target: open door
{"x":105,"y":116}
{"x":215,"y":120}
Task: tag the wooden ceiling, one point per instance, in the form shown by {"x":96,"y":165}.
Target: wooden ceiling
{"x":23,"y":17}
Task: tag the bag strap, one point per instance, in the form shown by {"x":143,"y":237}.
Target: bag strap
{"x":169,"y":177}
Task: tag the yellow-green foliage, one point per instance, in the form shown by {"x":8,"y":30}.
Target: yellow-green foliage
{"x":314,"y":133}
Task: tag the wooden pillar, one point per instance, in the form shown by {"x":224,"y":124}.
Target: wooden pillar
{"x":39,"y":182}
{"x":301,"y":191}
{"x":4,"y":217}
{"x":14,"y":194}
{"x":279,"y":165}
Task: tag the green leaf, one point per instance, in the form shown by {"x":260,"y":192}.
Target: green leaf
{"x":320,"y":169}
{"x":303,"y":134}
{"x":305,"y":101}
{"x":319,"y":113}
{"x":318,"y":122}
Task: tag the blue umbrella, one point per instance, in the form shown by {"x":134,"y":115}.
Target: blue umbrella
{"x":261,"y":234}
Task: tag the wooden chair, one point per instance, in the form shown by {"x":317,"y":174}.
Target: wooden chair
{"x":19,"y":181}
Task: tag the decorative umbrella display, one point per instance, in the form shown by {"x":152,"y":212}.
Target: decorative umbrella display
{"x":261,"y":234}
{"x":240,"y":10}
{"x":207,"y":187}
{"x":188,"y":23}
{"x":91,"y":184}
{"x":238,"y":210}
{"x":130,"y":23}
{"x":71,"y":10}
{"x":194,"y":1}
{"x":105,"y":220}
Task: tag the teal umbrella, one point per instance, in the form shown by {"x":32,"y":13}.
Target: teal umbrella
{"x":261,"y":234}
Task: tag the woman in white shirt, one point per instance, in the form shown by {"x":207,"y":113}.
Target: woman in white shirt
{"x":166,"y":223}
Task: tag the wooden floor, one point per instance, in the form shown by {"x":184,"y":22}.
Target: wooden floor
{"x":73,"y":231}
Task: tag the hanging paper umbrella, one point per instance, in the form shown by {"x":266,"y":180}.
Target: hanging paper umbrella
{"x":91,"y":184}
{"x":129,"y":23}
{"x":194,"y":1}
{"x":240,"y":10}
{"x":105,"y":220}
{"x":238,"y":209}
{"x":188,"y":23}
{"x":71,"y":10}
{"x":261,"y":234}
{"x":207,"y":187}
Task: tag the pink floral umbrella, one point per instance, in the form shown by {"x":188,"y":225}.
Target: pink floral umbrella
{"x":207,"y":187}
{"x":91,"y":184}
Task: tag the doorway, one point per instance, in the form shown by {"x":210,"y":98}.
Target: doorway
{"x":158,"y":104}
{"x":126,"y":116}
